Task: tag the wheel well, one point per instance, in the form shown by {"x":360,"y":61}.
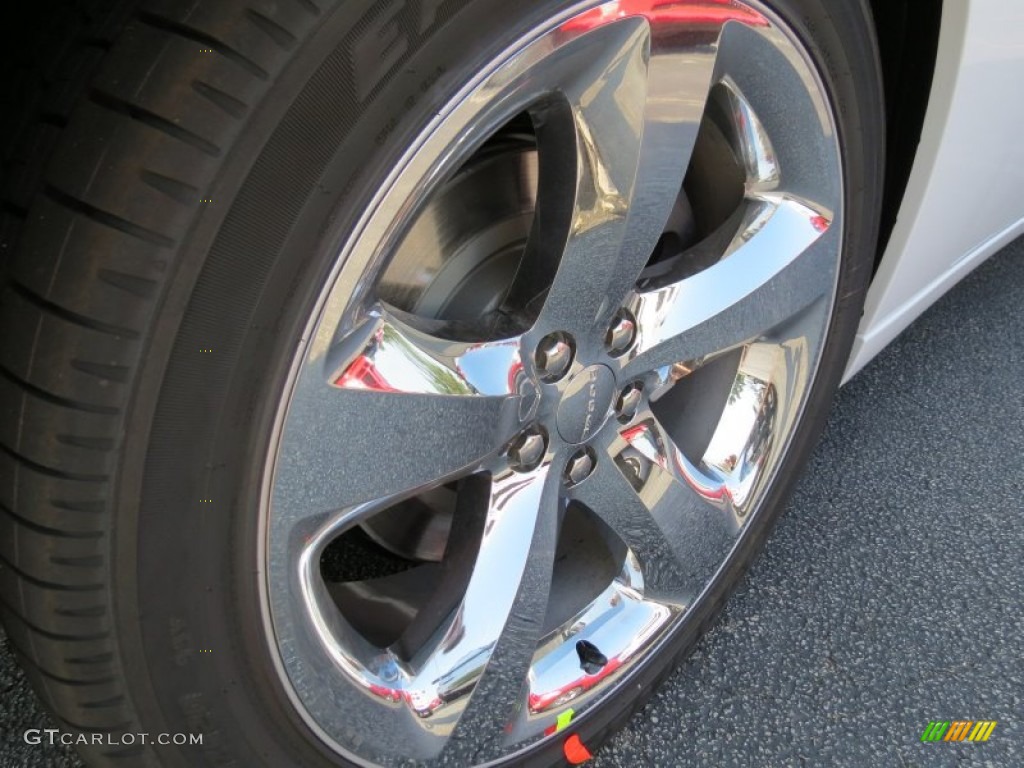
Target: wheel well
{"x":908,"y":40}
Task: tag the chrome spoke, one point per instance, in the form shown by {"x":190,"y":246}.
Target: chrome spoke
{"x":345,"y":447}
{"x":780,"y":261}
{"x":679,"y":77}
{"x":691,"y":510}
{"x":612,"y":497}
{"x":474,"y":670}
{"x":635,"y":112}
{"x":387,"y":354}
{"x":589,"y":147}
{"x":392,"y":408}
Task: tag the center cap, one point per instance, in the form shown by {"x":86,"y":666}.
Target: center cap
{"x":585,"y":404}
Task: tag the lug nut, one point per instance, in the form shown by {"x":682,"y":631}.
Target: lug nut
{"x":527,"y":450}
{"x":621,"y":332}
{"x":554,"y":356}
{"x":628,"y":402}
{"x":579,"y":467}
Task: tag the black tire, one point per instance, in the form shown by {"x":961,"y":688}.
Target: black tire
{"x":186,"y":205}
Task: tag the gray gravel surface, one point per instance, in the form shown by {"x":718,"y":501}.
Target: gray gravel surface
{"x":891,"y":593}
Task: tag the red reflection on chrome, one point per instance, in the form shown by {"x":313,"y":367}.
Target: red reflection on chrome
{"x":633,"y":434}
{"x":362,"y":373}
{"x":391,"y":694}
{"x":668,"y":14}
{"x":820,"y":223}
{"x":421,"y":709}
{"x":541,"y":701}
{"x":514,"y":372}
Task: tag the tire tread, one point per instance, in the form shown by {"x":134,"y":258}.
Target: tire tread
{"x":122,"y":126}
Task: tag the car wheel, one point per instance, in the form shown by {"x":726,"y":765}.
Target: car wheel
{"x":412,"y":381}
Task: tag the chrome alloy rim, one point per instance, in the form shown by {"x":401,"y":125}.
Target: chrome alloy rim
{"x":555,"y":424}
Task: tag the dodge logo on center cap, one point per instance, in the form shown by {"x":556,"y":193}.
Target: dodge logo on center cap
{"x":585,"y":404}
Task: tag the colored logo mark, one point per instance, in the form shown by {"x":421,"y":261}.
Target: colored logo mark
{"x":561,"y":723}
{"x":958,"y":730}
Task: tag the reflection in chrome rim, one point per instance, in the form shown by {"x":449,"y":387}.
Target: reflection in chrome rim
{"x":620,"y":352}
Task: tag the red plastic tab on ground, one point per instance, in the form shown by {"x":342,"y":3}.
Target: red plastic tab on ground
{"x":575,"y":752}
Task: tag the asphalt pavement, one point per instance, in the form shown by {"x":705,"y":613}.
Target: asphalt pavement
{"x":890,"y":595}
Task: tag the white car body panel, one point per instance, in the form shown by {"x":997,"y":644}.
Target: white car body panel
{"x":965,"y":196}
